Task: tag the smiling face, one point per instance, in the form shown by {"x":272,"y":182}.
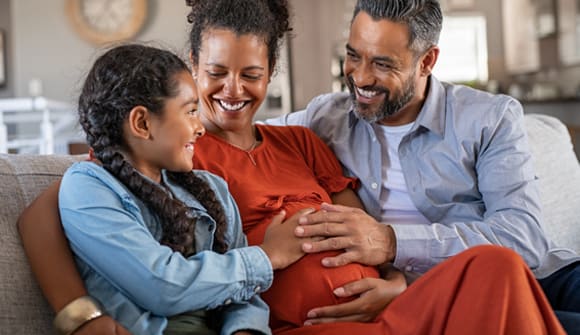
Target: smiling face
{"x":381,"y":71}
{"x":171,"y":134}
{"x":232,"y":78}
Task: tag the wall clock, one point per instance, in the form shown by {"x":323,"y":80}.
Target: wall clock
{"x":103,"y":21}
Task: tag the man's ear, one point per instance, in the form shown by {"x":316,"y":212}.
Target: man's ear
{"x":428,"y":60}
{"x":140,"y":122}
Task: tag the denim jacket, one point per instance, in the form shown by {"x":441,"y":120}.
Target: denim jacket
{"x":140,"y":282}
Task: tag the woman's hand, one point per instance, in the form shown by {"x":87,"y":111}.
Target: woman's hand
{"x":280,"y":244}
{"x":374,"y":296}
{"x":104,"y":325}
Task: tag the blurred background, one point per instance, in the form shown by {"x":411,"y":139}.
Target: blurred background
{"x":529,"y":49}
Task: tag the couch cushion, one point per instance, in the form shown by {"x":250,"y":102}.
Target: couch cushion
{"x":23,"y":309}
{"x":559,"y":175}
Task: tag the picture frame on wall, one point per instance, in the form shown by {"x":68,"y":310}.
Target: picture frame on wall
{"x":2,"y":59}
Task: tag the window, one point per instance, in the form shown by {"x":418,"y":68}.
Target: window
{"x":463,"y":50}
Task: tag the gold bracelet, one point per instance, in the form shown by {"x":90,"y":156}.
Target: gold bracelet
{"x":77,"y":313}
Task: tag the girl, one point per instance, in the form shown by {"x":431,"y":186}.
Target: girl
{"x":155,"y":242}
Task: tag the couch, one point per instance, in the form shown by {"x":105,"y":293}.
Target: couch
{"x":23,"y":309}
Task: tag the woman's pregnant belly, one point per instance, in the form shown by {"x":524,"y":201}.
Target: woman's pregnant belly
{"x":305,"y":285}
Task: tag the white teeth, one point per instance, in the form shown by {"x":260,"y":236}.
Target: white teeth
{"x":231,"y":107}
{"x":189,"y":147}
{"x":365,"y":93}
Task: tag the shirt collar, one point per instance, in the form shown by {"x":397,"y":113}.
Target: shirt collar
{"x":432,"y":114}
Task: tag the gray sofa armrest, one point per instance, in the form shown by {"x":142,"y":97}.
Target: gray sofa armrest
{"x":558,"y":171}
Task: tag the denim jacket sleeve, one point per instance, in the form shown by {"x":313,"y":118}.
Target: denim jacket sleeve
{"x":254,"y":314}
{"x":107,"y":230}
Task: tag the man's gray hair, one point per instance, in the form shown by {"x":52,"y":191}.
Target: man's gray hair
{"x":423,"y":18}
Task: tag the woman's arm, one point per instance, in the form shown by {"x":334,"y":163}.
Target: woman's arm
{"x":52,"y":262}
{"x":47,"y":250}
{"x":347,"y":197}
{"x":327,"y":169}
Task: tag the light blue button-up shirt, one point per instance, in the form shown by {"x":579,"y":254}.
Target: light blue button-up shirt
{"x":139,"y":281}
{"x":468,"y":169}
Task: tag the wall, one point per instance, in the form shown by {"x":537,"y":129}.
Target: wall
{"x":553,"y":72}
{"x":46,"y":47}
{"x":43,"y":45}
{"x":318,"y":30}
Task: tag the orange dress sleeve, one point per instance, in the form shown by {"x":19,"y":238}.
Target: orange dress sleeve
{"x":323,"y":162}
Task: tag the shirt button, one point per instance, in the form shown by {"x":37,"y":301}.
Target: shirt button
{"x":408,"y":268}
{"x":227,"y":302}
{"x":374,"y":186}
{"x":257,"y":289}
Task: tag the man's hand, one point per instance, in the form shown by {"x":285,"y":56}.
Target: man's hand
{"x":103,"y":325}
{"x":375,"y":295}
{"x":363,"y":239}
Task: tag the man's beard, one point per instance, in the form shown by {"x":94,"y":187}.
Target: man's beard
{"x":389,"y":107}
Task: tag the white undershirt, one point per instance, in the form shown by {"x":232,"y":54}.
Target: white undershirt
{"x":397,"y":206}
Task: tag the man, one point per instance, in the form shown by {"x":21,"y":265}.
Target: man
{"x":442,"y":167}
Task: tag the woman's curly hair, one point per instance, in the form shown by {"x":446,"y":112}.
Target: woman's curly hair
{"x":137,"y":75}
{"x":269,"y":19}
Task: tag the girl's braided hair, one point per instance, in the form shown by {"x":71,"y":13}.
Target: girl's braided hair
{"x":136,"y":75}
{"x":269,"y":19}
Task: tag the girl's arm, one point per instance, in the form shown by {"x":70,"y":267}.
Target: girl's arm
{"x":52,"y":262}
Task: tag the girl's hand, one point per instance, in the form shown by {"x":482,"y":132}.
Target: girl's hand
{"x":280,"y":244}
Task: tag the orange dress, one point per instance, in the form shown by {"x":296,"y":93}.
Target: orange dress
{"x":293,"y":169}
